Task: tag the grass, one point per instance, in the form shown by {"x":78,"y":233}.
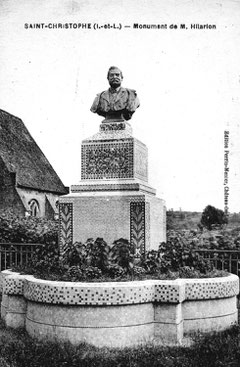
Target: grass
{"x":17,"y":349}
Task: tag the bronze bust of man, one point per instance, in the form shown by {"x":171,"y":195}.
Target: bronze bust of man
{"x":116,"y":103}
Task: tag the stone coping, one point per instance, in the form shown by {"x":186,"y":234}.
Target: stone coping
{"x":118,"y":293}
{"x":109,"y":186}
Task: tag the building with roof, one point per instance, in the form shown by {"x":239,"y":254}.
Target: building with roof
{"x":28,"y":183}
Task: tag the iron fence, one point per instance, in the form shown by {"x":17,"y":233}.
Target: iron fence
{"x":16,"y":254}
{"x":228,"y":260}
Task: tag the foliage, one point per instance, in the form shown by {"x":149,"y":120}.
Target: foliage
{"x":83,"y":262}
{"x":94,"y":253}
{"x":212,"y":216}
{"x":96,"y":258}
{"x":14,"y":229}
{"x":76,"y":254}
{"x":221,"y":239}
{"x":122,"y":253}
{"x":73,"y":273}
{"x":151,"y":262}
{"x":98,"y":253}
{"x":18,"y":349}
{"x":97,"y":261}
{"x":92,"y":272}
{"x":138,"y":271}
{"x":115,"y":271}
{"x":175,"y":254}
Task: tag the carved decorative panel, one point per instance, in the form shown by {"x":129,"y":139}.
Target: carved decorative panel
{"x":107,"y":160}
{"x":137,"y":227}
{"x":147,"y":226}
{"x":65,"y":226}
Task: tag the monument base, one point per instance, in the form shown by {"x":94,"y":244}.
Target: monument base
{"x":111,"y":211}
{"x":113,"y":199}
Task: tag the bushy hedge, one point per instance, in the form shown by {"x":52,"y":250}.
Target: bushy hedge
{"x":14,"y":229}
{"x":217,"y":239}
{"x":221,"y":239}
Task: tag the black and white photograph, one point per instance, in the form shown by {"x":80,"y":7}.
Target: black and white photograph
{"x":119,"y":183}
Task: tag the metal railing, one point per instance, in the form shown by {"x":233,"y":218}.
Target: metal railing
{"x":15,"y":254}
{"x":228,"y":260}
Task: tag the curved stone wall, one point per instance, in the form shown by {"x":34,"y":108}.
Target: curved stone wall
{"x":119,"y":314}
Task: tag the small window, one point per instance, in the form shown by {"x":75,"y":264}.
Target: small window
{"x":34,"y":208}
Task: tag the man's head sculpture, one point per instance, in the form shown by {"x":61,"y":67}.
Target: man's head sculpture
{"x":116,"y":103}
{"x":114,"y":77}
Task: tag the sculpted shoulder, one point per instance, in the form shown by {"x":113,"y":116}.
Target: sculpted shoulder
{"x":96,"y":102}
{"x":133,"y":101}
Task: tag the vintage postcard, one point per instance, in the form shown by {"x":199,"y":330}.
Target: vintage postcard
{"x":116,"y":117}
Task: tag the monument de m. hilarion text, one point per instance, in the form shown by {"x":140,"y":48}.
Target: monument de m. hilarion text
{"x":113,"y":199}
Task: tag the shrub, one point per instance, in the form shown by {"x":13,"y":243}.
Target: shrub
{"x":93,"y":253}
{"x":221,"y":239}
{"x":115,"y":271}
{"x":74,"y":273}
{"x":92,"y":272}
{"x":98,"y":252}
{"x":76,"y":254}
{"x":151,"y":262}
{"x":122,"y":253}
{"x":27,"y":230}
{"x":178,"y":252}
{"x":138,"y":271}
{"x":212,"y":216}
{"x":95,"y":260}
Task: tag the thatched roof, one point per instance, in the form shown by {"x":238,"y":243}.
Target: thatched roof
{"x":22,"y":155}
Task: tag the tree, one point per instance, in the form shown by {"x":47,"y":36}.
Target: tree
{"x":212,"y":216}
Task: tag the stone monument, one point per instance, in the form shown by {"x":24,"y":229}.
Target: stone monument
{"x":113,"y":199}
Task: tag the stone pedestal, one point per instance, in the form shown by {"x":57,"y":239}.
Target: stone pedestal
{"x":113,"y":199}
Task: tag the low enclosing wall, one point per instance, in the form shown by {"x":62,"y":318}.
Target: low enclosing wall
{"x":119,"y":314}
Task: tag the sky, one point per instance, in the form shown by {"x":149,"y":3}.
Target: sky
{"x":187,"y":80}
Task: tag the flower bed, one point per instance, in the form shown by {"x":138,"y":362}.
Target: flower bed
{"x":119,"y":314}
